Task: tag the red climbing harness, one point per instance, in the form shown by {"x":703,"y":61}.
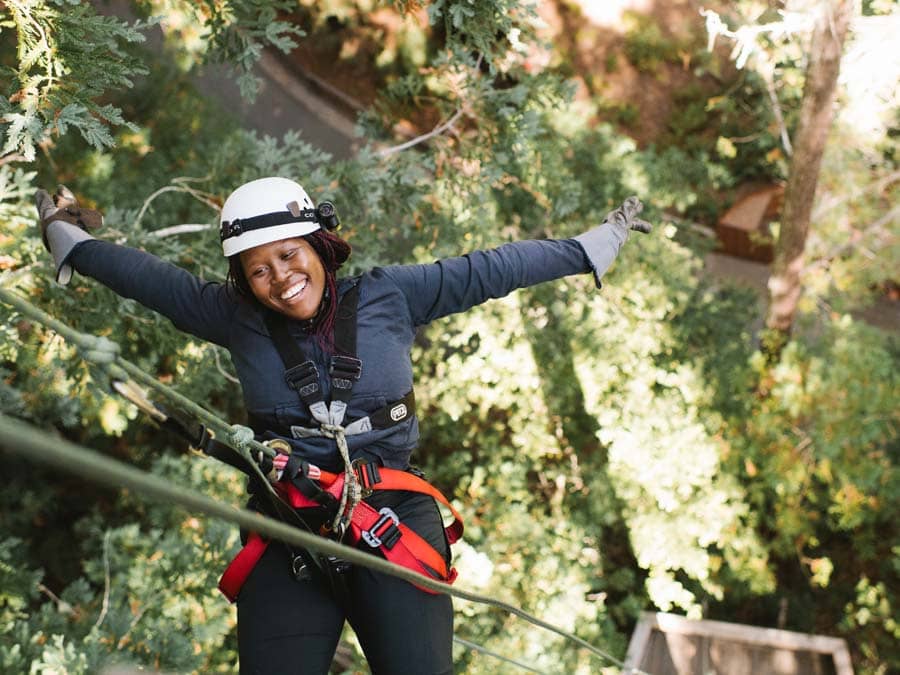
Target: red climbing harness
{"x":380,"y":529}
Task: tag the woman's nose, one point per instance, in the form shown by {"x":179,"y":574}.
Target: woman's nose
{"x":280,"y":270}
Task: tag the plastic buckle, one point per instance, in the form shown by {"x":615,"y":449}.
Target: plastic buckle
{"x":385,"y":531}
{"x":344,"y":371}
{"x":304,"y":378}
{"x":367,"y":474}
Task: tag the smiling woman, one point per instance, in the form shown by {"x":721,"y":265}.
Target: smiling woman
{"x":281,"y":250}
{"x":327,"y":379}
{"x":286,"y":276}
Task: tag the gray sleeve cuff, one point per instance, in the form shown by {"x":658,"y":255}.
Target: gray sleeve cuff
{"x":601,"y":246}
{"x":62,"y":238}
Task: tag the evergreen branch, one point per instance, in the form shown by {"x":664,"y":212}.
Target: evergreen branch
{"x":67,"y":58}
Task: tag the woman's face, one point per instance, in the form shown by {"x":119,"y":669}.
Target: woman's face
{"x":287,"y":276}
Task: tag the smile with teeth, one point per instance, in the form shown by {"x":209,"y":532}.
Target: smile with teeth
{"x":294,"y":290}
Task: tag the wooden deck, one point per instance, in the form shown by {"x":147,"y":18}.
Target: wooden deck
{"x":667,"y":644}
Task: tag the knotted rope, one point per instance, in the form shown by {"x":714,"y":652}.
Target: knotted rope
{"x":351,"y":492}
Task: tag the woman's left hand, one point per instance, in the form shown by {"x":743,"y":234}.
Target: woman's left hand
{"x":625,"y":217}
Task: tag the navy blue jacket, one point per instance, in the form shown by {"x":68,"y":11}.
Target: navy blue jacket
{"x":393,"y":302}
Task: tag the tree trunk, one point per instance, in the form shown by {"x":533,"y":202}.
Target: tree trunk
{"x":809,"y":145}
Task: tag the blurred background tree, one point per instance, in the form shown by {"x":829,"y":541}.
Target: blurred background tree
{"x":612,"y":451}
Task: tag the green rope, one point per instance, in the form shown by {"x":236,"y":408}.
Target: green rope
{"x":484,"y":650}
{"x":106,"y":353}
{"x":36,"y":445}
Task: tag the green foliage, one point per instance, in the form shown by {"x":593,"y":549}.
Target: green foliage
{"x":67,"y":58}
{"x":144,"y":596}
{"x":852,"y":226}
{"x":816,"y":455}
{"x":62,"y":42}
{"x":487,"y":27}
{"x":233,"y":32}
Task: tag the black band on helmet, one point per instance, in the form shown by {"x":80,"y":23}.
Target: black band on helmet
{"x":324,"y":214}
{"x":238,"y":226}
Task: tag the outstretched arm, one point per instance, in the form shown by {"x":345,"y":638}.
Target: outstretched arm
{"x":457,"y":284}
{"x":201,"y":308}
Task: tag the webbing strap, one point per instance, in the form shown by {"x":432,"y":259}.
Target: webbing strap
{"x":345,"y":368}
{"x":364,"y":516}
{"x":240,"y":567}
{"x":381,"y":530}
{"x":301,"y":373}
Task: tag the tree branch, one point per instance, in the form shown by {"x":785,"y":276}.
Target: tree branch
{"x":61,"y":605}
{"x":844,"y":197}
{"x":769,"y":78}
{"x":179,"y":185}
{"x":845,"y":248}
{"x":437,"y":131}
{"x":104,"y":607}
{"x":12,"y":157}
{"x":186,"y":228}
{"x":221,"y":369}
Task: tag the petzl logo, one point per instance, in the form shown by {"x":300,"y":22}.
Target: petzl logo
{"x":398,"y":412}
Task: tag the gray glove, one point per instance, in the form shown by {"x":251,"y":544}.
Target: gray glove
{"x":602,"y":243}
{"x":63,"y":226}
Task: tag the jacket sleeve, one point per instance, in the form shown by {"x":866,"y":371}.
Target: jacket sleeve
{"x":202,"y":308}
{"x":457,"y":284}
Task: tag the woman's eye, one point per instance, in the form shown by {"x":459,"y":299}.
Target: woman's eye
{"x":258,"y":272}
{"x":288,"y":254}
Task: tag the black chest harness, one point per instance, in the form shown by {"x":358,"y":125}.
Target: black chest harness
{"x":302,"y":375}
{"x":305,"y":486}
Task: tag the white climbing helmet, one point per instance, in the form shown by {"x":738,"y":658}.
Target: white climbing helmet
{"x":266,"y":210}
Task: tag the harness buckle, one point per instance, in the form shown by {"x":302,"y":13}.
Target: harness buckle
{"x":303,"y":378}
{"x":367,"y":475}
{"x":385,"y":531}
{"x":344,"y":371}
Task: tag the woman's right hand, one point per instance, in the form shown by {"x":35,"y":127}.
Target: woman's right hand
{"x":272,"y":467}
{"x":64,"y":225}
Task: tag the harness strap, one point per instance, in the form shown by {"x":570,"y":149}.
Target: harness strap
{"x":301,"y":373}
{"x":379,"y":529}
{"x":240,"y":567}
{"x":364,"y":518}
{"x":386,"y":416}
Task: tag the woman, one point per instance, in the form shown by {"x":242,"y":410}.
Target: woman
{"x":324,"y":363}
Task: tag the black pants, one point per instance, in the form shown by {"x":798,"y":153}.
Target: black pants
{"x":290,"y":627}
